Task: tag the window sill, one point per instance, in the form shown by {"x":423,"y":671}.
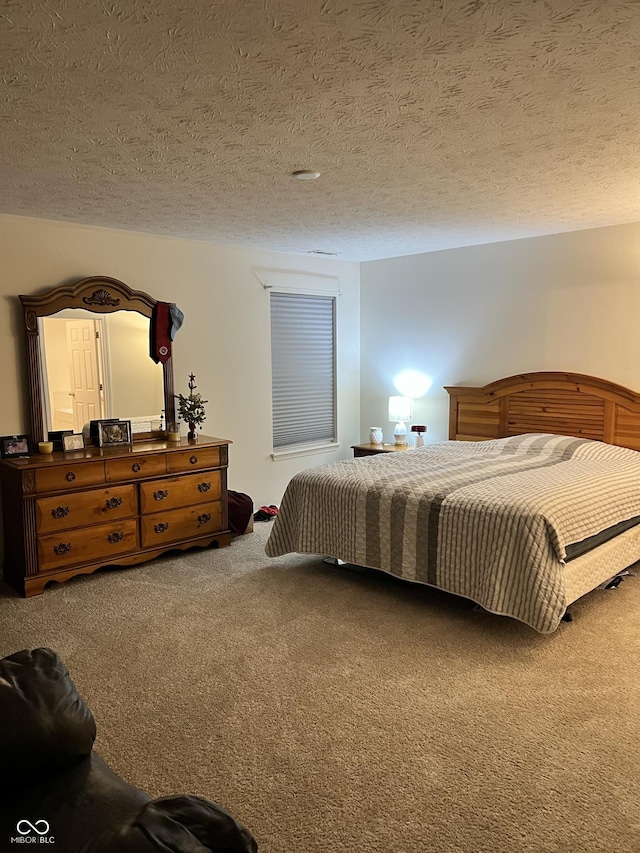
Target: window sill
{"x":304,"y":450}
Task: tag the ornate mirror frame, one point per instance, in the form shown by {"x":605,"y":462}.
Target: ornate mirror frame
{"x":98,"y":294}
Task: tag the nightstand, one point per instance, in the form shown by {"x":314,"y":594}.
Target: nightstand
{"x":373,"y":449}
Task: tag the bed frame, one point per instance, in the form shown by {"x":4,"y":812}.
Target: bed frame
{"x":561,"y":404}
{"x":551,"y":402}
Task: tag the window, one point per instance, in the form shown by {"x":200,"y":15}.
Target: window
{"x":303,"y":369}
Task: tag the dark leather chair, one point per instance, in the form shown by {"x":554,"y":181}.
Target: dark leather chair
{"x":55,"y":789}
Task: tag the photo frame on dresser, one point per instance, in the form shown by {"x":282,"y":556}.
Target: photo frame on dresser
{"x":93,"y":426}
{"x":56,"y":436}
{"x":75,"y":441}
{"x":12,"y":446}
{"x":114,"y":433}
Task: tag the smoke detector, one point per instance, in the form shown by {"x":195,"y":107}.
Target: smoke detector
{"x":306,"y":174}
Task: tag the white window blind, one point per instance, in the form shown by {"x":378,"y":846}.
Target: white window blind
{"x":303,"y":368}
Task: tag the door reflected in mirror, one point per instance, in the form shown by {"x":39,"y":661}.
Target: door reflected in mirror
{"x":97,"y":366}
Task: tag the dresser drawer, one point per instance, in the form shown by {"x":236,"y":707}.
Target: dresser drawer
{"x":191,"y":460}
{"x":80,"y":508}
{"x":56,"y":478}
{"x":99,"y":542}
{"x":135,"y":467}
{"x":172,"y":492}
{"x":157,"y":530}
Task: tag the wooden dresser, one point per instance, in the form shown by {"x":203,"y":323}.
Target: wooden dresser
{"x":72,"y":513}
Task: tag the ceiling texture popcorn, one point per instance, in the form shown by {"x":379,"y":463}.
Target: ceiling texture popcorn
{"x":432,"y":123}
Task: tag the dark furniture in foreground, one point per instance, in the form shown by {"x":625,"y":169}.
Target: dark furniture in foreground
{"x":54,"y":789}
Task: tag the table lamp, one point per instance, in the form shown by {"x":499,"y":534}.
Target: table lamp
{"x":400,"y":411}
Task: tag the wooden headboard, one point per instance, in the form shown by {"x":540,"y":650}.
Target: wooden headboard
{"x":558,"y":403}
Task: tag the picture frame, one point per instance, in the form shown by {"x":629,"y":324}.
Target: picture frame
{"x":13,"y":446}
{"x":114,"y":433}
{"x":75,"y":441}
{"x":93,"y":425}
{"x":56,"y":437}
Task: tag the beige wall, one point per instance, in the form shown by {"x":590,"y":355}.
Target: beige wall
{"x":473,"y":315}
{"x":225,"y":339}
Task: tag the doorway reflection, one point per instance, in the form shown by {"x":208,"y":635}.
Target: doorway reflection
{"x":98,"y":366}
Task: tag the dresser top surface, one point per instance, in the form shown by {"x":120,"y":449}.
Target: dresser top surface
{"x":38,"y":460}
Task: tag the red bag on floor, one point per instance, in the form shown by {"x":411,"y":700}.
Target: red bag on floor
{"x":240,"y":511}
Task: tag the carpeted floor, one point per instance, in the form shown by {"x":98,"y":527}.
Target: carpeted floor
{"x":334,"y":711}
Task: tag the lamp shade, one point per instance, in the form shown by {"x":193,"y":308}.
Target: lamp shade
{"x":400,"y":409}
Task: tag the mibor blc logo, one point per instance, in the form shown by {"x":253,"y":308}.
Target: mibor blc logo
{"x":36,"y":832}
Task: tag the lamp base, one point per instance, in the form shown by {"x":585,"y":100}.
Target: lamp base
{"x":400,"y":434}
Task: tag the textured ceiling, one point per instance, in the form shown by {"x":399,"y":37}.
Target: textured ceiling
{"x":434,"y":123}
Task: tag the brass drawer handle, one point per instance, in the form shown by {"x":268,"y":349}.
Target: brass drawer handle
{"x":193,"y":460}
{"x":60,"y":511}
{"x":71,"y":476}
{"x":113,"y":503}
{"x":62,"y":549}
{"x":161,"y":528}
{"x":117,"y":536}
{"x":204,"y":518}
{"x":136,"y":467}
{"x":204,"y":487}
{"x":160,"y":495}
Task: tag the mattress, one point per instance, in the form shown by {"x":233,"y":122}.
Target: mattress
{"x":577,"y":549}
{"x":601,"y":564}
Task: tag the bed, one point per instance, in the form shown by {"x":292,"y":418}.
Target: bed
{"x":533,"y":502}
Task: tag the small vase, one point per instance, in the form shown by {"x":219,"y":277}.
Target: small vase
{"x":375,"y":435}
{"x":193,"y":433}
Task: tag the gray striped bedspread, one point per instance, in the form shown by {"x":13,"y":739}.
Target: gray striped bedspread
{"x":487,"y":520}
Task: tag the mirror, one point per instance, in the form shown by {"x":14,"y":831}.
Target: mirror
{"x":88,"y":358}
{"x":98,"y":367}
